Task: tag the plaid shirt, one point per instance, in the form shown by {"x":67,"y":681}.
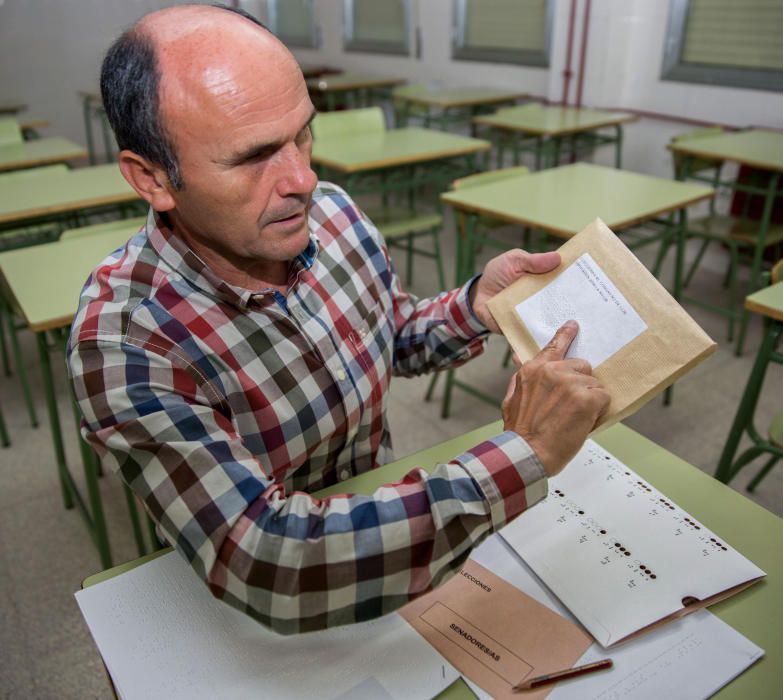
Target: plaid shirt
{"x":223,"y":407}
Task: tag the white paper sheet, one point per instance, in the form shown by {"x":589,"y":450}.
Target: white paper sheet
{"x":619,"y":553}
{"x":163,"y":635}
{"x":691,"y":658}
{"x":583,"y":292}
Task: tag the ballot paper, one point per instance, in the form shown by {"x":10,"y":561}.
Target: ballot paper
{"x":635,"y":335}
{"x":493,"y":633}
{"x":620,"y":554}
{"x":584,"y":293}
{"x":692,"y":657}
{"x":163,"y":635}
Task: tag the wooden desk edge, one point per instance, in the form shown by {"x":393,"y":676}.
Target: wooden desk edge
{"x":423,"y":100}
{"x":67,"y":207}
{"x":752,"y":162}
{"x":464,"y":208}
{"x":24,"y":163}
{"x":764,"y":310}
{"x":488,"y":121}
{"x":400,"y":160}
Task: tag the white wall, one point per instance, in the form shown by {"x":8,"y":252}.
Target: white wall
{"x":50,"y":49}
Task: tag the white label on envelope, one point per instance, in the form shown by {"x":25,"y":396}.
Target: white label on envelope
{"x":583,"y":292}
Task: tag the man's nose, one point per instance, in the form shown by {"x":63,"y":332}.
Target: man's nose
{"x":296,"y":176}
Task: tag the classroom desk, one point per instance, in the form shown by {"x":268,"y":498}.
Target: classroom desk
{"x":31,"y":154}
{"x":42,"y":284}
{"x":755,"y":148}
{"x":769,"y":303}
{"x":315,"y":70}
{"x":550,"y":126}
{"x":561,"y":201}
{"x":472,"y":100}
{"x":355,"y":87}
{"x":360,"y":153}
{"x":59,"y":194}
{"x":753,"y":531}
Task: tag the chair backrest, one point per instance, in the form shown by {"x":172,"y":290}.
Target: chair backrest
{"x":488,"y":177}
{"x":132,"y":225}
{"x":10,"y":131}
{"x":349,"y":121}
{"x":697,"y":164}
{"x":31,"y":173}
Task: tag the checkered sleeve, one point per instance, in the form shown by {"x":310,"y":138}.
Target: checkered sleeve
{"x":292,"y":561}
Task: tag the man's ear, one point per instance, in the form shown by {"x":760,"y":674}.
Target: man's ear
{"x":150,"y":181}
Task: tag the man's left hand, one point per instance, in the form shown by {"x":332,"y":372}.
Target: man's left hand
{"x":501,"y":272}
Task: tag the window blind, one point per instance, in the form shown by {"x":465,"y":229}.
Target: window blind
{"x":377,"y":25}
{"x":508,"y":31}
{"x":505,"y":24}
{"x":292,"y":21}
{"x":747,"y":34}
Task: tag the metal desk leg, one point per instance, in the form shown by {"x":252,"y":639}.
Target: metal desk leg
{"x":755,"y":270}
{"x":54,"y":418}
{"x":87,"y":114}
{"x":618,"y":146}
{"x":750,"y":397}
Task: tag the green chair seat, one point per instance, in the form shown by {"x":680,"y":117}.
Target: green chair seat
{"x":415,"y":223}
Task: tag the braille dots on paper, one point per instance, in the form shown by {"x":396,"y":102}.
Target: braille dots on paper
{"x":666,"y":504}
{"x":690,"y":523}
{"x":718,"y":544}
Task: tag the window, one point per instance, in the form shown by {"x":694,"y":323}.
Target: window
{"x":292,"y":22}
{"x":377,"y":25}
{"x":725,"y":42}
{"x":503,"y":31}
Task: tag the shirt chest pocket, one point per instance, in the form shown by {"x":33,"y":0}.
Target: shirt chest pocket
{"x":370,"y":336}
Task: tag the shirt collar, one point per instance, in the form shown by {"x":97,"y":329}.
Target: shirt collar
{"x":176,"y":254}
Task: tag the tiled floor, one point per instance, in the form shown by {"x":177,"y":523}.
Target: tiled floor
{"x":45,"y":551}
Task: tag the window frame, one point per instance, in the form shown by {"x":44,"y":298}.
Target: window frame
{"x":351,"y":43}
{"x":523,"y":57}
{"x":675,"y":70}
{"x":311,"y":42}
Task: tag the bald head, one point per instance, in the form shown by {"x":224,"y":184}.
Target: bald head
{"x":172,"y":61}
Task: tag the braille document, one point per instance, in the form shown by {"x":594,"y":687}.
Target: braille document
{"x":637,"y":338}
{"x":692,"y":657}
{"x":163,"y":635}
{"x":620,"y":555}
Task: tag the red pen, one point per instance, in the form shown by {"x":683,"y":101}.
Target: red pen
{"x":562,"y":675}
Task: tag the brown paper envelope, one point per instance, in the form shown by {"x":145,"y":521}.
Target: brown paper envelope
{"x":671,"y":346}
{"x":495,"y":634}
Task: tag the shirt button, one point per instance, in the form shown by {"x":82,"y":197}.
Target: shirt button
{"x":344,"y":474}
{"x":340,"y":375}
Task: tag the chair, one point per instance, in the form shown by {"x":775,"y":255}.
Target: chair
{"x":743,"y":424}
{"x":485,"y":226}
{"x":10,"y":131}
{"x":400,"y":226}
{"x":405,"y":110}
{"x":736,"y":233}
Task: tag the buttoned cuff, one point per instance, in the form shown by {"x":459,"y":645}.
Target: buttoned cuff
{"x":509,"y":474}
{"x":462,"y":318}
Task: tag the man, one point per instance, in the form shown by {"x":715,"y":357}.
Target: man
{"x":236,"y":354}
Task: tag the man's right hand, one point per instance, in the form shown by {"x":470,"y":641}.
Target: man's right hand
{"x":554,"y":403}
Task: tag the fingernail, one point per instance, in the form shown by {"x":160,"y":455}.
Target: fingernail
{"x":571,"y":325}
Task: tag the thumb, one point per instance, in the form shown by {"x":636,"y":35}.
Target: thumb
{"x":557,"y":348}
{"x":536,"y":262}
